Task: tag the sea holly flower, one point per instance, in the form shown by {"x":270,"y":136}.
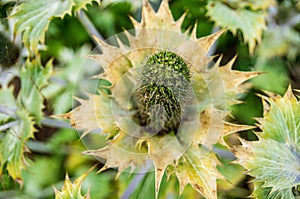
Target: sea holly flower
{"x":166,"y":103}
{"x":274,"y":160}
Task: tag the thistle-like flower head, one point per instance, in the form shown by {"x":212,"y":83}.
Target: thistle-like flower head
{"x":167,"y":101}
{"x":274,"y":160}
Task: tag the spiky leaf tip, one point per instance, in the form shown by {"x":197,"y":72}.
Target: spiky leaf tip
{"x":73,"y":190}
{"x":32,"y":18}
{"x":274,"y":160}
{"x":236,"y":15}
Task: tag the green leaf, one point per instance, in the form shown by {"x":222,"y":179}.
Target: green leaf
{"x":198,"y":169}
{"x":274,"y":160}
{"x":33,"y":79}
{"x":135,"y":4}
{"x":26,"y":110}
{"x":282,"y":122}
{"x":33,"y":18}
{"x":273,"y":163}
{"x":250,"y":23}
{"x":265,"y":193}
{"x":7,"y":100}
{"x":253,"y":4}
{"x":81,"y":4}
{"x":12,"y":146}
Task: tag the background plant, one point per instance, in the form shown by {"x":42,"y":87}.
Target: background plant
{"x":42,"y":43}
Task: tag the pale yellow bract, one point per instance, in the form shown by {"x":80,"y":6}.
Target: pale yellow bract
{"x":214,"y":89}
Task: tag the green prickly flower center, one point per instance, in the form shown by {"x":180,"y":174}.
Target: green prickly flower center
{"x":162,"y":94}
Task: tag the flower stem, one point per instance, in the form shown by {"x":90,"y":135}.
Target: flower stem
{"x":8,"y":111}
{"x":56,"y":123}
{"x":8,"y":125}
{"x":89,"y":26}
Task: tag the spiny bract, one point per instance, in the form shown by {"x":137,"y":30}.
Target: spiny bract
{"x":73,"y":190}
{"x":274,"y":160}
{"x":192,"y":97}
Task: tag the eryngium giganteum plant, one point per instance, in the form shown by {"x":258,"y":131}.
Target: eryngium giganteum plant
{"x":166,"y":103}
